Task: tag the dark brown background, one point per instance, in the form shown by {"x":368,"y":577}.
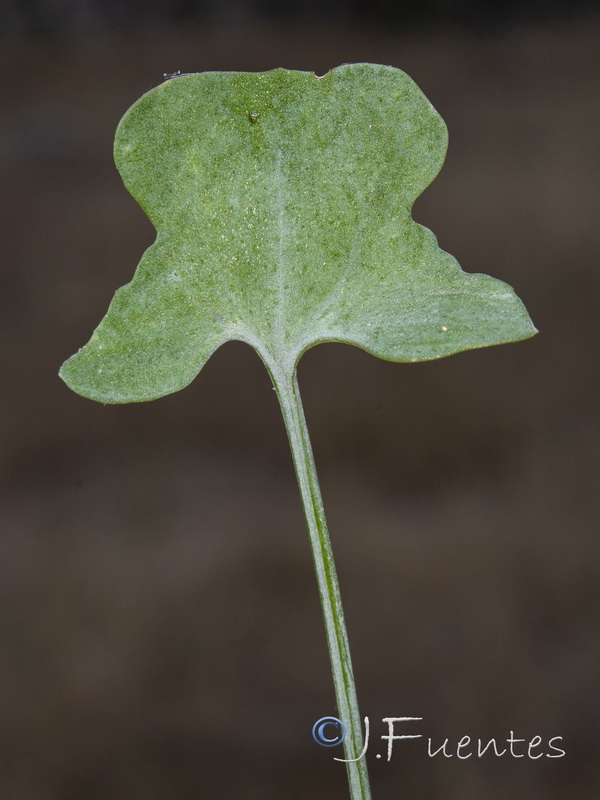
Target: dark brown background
{"x":160,"y":630}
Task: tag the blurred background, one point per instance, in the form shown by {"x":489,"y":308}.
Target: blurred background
{"x":161,"y":636}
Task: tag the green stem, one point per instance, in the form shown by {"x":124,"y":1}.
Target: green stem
{"x":329,"y":591}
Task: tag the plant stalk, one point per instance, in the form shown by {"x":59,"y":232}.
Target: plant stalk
{"x":288,"y":394}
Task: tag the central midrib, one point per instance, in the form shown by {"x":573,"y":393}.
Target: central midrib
{"x":282,"y":233}
{"x":280,"y":340}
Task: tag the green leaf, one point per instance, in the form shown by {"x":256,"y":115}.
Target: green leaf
{"x":282,"y":205}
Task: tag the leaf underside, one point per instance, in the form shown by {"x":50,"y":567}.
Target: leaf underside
{"x":282,"y":205}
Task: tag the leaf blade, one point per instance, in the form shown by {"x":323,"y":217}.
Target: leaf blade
{"x":282,"y":206}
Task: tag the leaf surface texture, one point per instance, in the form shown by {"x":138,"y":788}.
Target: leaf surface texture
{"x":282,"y":206}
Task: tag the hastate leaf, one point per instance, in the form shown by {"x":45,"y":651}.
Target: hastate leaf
{"x":282,"y":206}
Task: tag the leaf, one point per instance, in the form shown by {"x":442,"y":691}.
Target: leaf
{"x":282,"y":205}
